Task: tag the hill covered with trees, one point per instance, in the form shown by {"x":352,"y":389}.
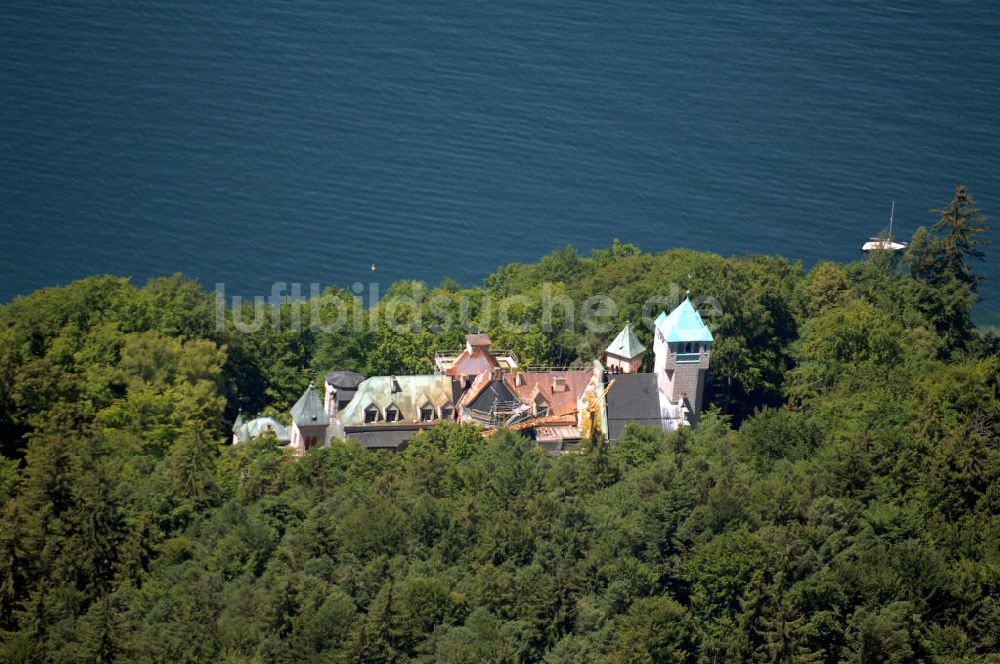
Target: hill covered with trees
{"x":839,"y":503}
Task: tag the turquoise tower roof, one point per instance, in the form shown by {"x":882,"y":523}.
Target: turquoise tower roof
{"x":683,"y":324}
{"x":626,"y":344}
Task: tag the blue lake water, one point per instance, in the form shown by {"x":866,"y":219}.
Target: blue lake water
{"x":255,"y":142}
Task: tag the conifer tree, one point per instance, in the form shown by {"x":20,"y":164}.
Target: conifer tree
{"x":961,"y":225}
{"x":943,"y":254}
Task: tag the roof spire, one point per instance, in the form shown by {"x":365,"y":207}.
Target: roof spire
{"x":683,"y":324}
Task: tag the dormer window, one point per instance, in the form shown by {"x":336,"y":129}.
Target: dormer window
{"x":558,"y":384}
{"x":392,"y":414}
{"x":447,"y":412}
{"x":540,"y":406}
{"x":426,"y":413}
{"x":371,"y":414}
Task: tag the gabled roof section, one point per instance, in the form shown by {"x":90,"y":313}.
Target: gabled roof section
{"x":683,"y":324}
{"x":308,"y":410}
{"x":478,"y":385}
{"x":626,"y":344}
{"x":496,"y":392}
{"x":474,"y":363}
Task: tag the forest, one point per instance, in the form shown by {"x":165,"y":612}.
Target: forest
{"x":838,"y":502}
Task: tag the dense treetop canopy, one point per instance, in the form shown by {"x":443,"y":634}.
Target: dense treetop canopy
{"x":839,"y":503}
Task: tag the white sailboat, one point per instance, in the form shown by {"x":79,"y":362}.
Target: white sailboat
{"x":885,"y":242}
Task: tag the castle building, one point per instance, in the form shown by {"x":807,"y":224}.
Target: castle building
{"x":556,"y":406}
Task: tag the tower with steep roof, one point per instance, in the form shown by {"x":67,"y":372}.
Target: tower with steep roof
{"x":310,"y":423}
{"x":682,"y":346}
{"x":624,"y":355}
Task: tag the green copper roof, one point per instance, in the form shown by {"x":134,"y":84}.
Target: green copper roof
{"x":308,"y":410}
{"x":683,"y":324}
{"x":256,"y":427}
{"x":626,"y":344}
{"x":407,"y":393}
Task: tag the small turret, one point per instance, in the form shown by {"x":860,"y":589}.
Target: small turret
{"x":310,"y":423}
{"x":624,"y":355}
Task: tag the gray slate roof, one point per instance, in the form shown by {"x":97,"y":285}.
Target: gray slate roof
{"x":496,"y":392}
{"x":344,"y":380}
{"x":633,"y":398}
{"x":308,"y":410}
{"x":391,"y":439}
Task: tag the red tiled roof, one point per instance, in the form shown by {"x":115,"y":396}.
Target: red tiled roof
{"x":480,"y":339}
{"x":560,"y":403}
{"x":472,"y":364}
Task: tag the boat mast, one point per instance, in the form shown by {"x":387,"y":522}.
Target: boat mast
{"x":892,"y":213}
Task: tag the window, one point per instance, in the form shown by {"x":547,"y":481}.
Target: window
{"x":427,"y":413}
{"x":392,"y":414}
{"x":541,"y":406}
{"x":371,"y":414}
{"x":447,"y":413}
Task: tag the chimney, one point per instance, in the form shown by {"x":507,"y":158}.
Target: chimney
{"x":478,"y":340}
{"x":518,"y":379}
